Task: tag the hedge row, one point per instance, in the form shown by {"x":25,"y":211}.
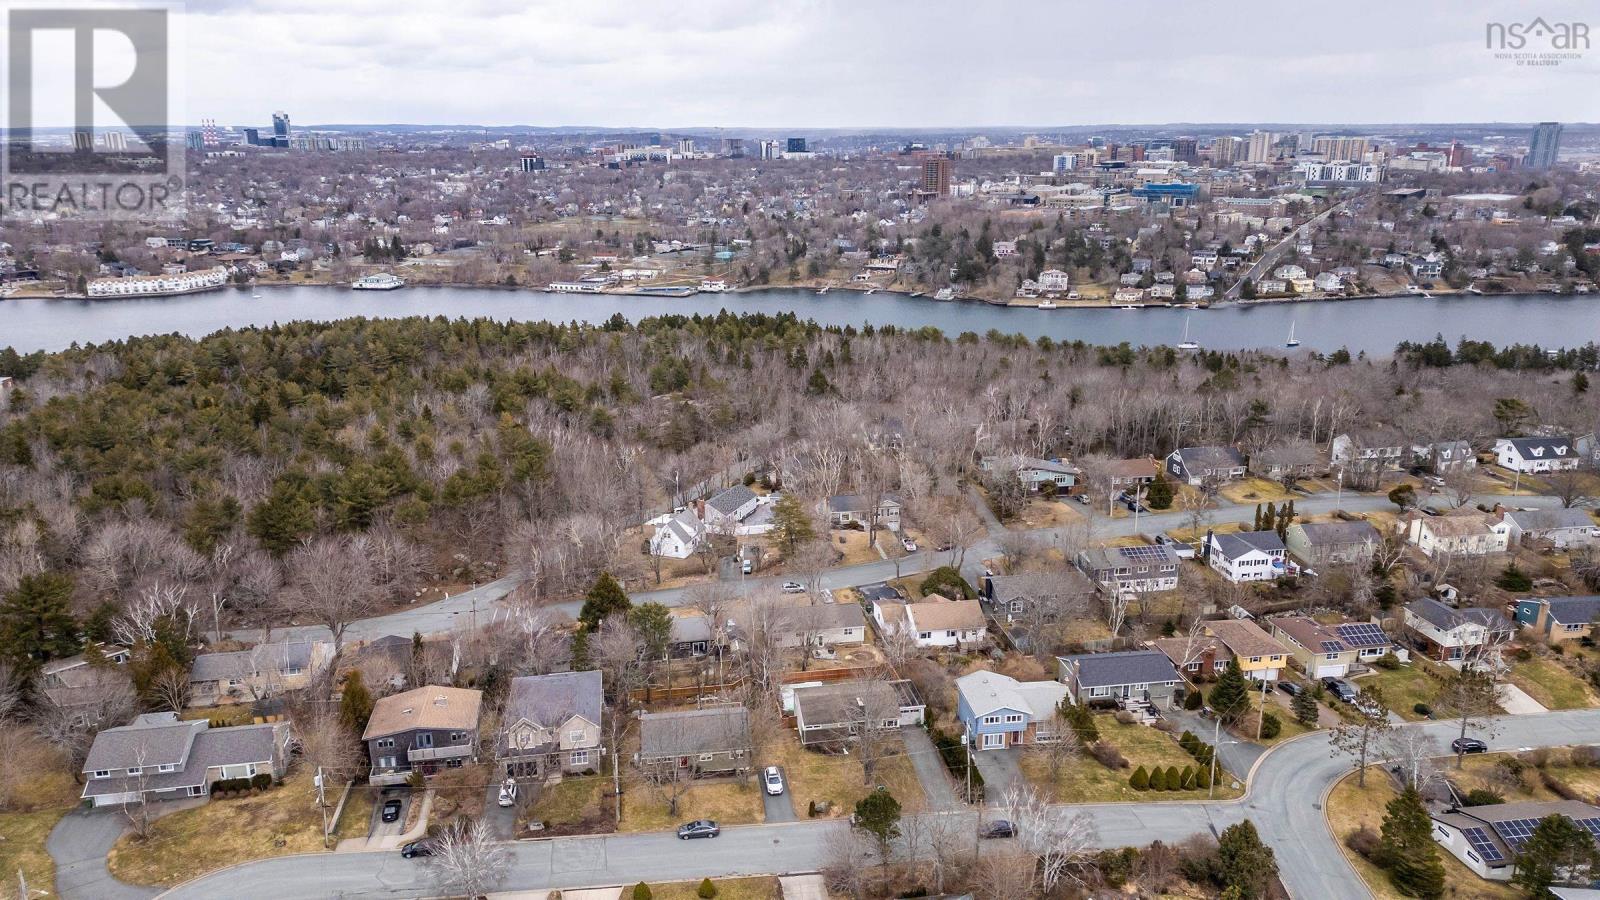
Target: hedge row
{"x":955,"y":761}
{"x":260,"y":781}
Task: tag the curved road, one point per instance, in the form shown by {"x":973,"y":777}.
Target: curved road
{"x":1284,"y":800}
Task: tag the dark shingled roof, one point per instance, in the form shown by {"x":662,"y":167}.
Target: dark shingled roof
{"x":693,"y":731}
{"x":729,"y":500}
{"x":1122,"y":667}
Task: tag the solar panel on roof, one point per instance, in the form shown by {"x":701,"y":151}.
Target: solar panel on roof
{"x":1515,"y":832}
{"x":1144,"y":554}
{"x":1332,"y":647}
{"x":1591,"y":825}
{"x":1363,"y":634}
{"x":1479,"y":839}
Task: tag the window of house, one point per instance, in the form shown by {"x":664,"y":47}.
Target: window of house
{"x":385,"y":743}
{"x":167,"y":767}
{"x":1013,"y":718}
{"x":575,"y":737}
{"x":991,"y":720}
{"x":425,"y":739}
{"x":196,"y":790}
{"x":706,"y":757}
{"x":1192,"y":667}
{"x":891,"y":723}
{"x":454,"y":763}
{"x":385,"y":762}
{"x":102,"y":773}
{"x":133,"y":771}
{"x":1255,"y":659}
{"x":580,"y":757}
{"x":456,"y":736}
{"x":926,"y":635}
{"x":950,"y":633}
{"x":292,"y":670}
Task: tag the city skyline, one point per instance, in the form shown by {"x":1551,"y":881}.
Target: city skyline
{"x":830,"y":64}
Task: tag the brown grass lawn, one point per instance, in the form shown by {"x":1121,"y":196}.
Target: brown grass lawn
{"x":185,"y":844}
{"x":42,"y":794}
{"x":761,"y":888}
{"x":222,"y":714}
{"x":1403,"y":688}
{"x":1552,"y":684}
{"x":837,"y":779}
{"x":853,"y":544}
{"x":356,"y":819}
{"x":1192,"y":536}
{"x":1256,"y":490}
{"x":1349,"y":807}
{"x":1084,"y":780}
{"x":645,"y":808}
{"x":1481,"y":770}
{"x":458,"y":792}
{"x":1040,"y":513}
{"x":573,"y":801}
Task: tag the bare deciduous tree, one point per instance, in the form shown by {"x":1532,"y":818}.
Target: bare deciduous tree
{"x":468,"y":859}
{"x":333,"y":583}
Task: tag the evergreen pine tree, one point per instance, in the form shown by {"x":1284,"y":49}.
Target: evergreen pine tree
{"x":604,"y":599}
{"x":1139,"y":780}
{"x":36,"y":623}
{"x":1230,"y":699}
{"x":1407,"y":848}
{"x":1305,"y":708}
{"x":1174,"y":779}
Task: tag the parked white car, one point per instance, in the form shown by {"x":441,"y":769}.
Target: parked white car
{"x":773,"y":779}
{"x":508,"y":792}
{"x":909,"y":544}
{"x":793,"y":587}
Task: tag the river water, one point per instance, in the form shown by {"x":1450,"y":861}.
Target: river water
{"x":1373,"y":325}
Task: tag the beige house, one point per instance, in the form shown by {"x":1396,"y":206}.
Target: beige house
{"x":551,"y":725}
{"x":1460,"y":532}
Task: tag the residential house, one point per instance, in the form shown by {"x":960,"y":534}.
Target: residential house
{"x":265,"y":670}
{"x":1125,"y":674}
{"x":1208,"y":651}
{"x":1330,"y":650}
{"x":1488,"y":838}
{"x":822,"y":625}
{"x":700,"y":742}
{"x":832,"y":713}
{"x":1370,"y":449}
{"x":1142,"y":569}
{"x":1443,"y":457}
{"x":1286,"y":461}
{"x":551,"y":725}
{"x":422,"y":730}
{"x":1447,"y":634}
{"x":1561,"y":527}
{"x":1462,"y":532}
{"x":690,"y":635}
{"x":1333,"y":543}
{"x":1127,"y":474}
{"x":1530,"y":455}
{"x":80,"y":685}
{"x":1558,"y":619}
{"x":1011,"y":596}
{"x":1197,"y":656}
{"x":997,"y":711}
{"x":730,"y":506}
{"x":1246,"y":555}
{"x":161,"y":757}
{"x":935,"y":621}
{"x":679,"y":537}
{"x":1035,"y":474}
{"x":845,"y":509}
{"x":1198,"y":465}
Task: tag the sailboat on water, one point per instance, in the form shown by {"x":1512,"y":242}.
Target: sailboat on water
{"x":1187,"y":344}
{"x":1292,"y":341}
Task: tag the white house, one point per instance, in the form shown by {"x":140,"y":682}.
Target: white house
{"x":1488,"y":838}
{"x":1561,"y":527}
{"x":934,"y":623}
{"x":1053,"y":280}
{"x":1462,"y":532}
{"x":1535,"y":454}
{"x":1247,"y":556}
{"x":679,"y":537}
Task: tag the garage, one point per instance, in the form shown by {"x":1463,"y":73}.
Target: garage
{"x":115,"y":799}
{"x":1332,"y":670}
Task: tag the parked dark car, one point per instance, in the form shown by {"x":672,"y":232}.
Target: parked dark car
{"x":1292,"y":688}
{"x":699,"y":828}
{"x":999,"y":828}
{"x":1468,"y":745}
{"x":391,"y":810}
{"x":417,"y":848}
{"x":1341,"y":689}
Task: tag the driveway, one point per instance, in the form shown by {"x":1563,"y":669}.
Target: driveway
{"x":381,"y":829}
{"x":936,"y":783}
{"x":804,"y":887}
{"x":1236,"y":756}
{"x":1000,"y":770}
{"x":79,"y":844}
{"x":501,"y":819}
{"x":781,"y":807}
{"x":1516,"y":701}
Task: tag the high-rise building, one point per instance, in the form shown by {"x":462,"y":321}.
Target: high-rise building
{"x":1186,"y":150}
{"x":733,"y":148}
{"x":771,"y":150}
{"x":936,"y":175}
{"x":196,"y":141}
{"x":1341,"y":149}
{"x":1261,"y":147}
{"x":1544,"y":146}
{"x":1065,"y":162}
{"x":280,"y":129}
{"x":686,"y":146}
{"x":208,"y":132}
{"x":796,"y":145}
{"x":83,"y":141}
{"x":1460,"y":155}
{"x":252,"y":137}
{"x":532,"y":163}
{"x":1225,"y":151}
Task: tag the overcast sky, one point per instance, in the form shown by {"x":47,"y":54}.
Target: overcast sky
{"x":858,"y":63}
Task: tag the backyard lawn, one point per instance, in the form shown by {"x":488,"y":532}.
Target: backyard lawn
{"x":837,"y":779}
{"x":1483,"y":770}
{"x":1550,"y":683}
{"x":356,"y":819}
{"x":1256,"y":490}
{"x":1083,"y":780}
{"x":1349,"y":807}
{"x":185,"y":844}
{"x":573,"y":806}
{"x":1403,"y":688}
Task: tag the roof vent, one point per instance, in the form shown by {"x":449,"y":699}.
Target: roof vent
{"x":440,"y":701}
{"x":407,"y":711}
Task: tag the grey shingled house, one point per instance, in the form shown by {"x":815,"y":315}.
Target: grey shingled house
{"x":551,"y":725}
{"x":164,"y":758}
{"x":1128,"y":674}
{"x":712,"y":741}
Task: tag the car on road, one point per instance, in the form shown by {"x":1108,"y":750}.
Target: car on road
{"x":793,"y":587}
{"x":909,"y":544}
{"x":1082,"y":498}
{"x":773,"y":779}
{"x":391,"y":810}
{"x":699,"y":828}
{"x":508,"y":792}
{"x":1291,"y":688}
{"x":1468,"y":745}
{"x":999,"y":828}
{"x":748,"y":566}
{"x":417,"y":848}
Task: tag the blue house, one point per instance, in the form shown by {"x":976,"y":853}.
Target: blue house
{"x":997,"y":711}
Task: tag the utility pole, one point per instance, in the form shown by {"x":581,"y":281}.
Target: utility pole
{"x":1216,"y":748}
{"x":322,"y":804}
{"x":1261,"y":717}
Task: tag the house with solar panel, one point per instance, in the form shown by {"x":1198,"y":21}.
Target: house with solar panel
{"x":1488,"y":838}
{"x":1330,"y":651}
{"x":1140,"y":569}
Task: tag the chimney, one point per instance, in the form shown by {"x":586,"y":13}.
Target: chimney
{"x":1206,"y":556}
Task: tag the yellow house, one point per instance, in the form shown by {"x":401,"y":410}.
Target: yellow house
{"x":1260,"y":655}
